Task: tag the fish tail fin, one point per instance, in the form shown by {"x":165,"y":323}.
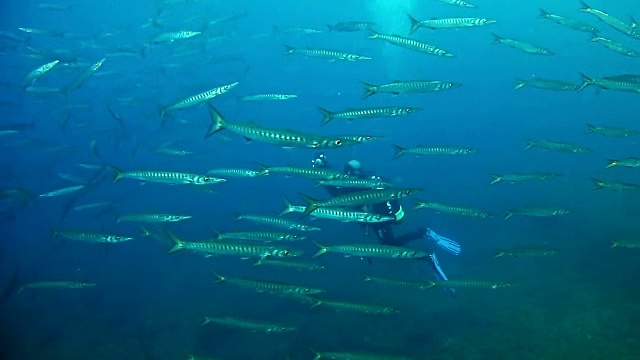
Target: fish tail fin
{"x":119,"y":174}
{"x":520,"y":84}
{"x":508,"y":215}
{"x":615,"y":244}
{"x":326,"y":115}
{"x":529,"y":144}
{"x":543,"y":13}
{"x":217,"y":122}
{"x":599,"y":184}
{"x":368,"y":90}
{"x":499,"y":253}
{"x":55,"y":232}
{"x":591,"y":128}
{"x":585,"y":6}
{"x":205,"y":321}
{"x":366,"y":277}
{"x":145,"y":231}
{"x":611,"y":163}
{"x":288,"y":208}
{"x":317,"y":356}
{"x":289,"y":49}
{"x":179,"y":244}
{"x":398,"y":151}
{"x":586,"y":81}
{"x":415,"y":24}
{"x":312,"y":205}
{"x":496,"y":39}
{"x":373,"y":34}
{"x":321,"y":249}
{"x":496,"y":179}
{"x":219,"y":278}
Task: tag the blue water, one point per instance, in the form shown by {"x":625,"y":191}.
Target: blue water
{"x":579,"y":304}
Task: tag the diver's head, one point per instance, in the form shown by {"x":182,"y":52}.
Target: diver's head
{"x":320,"y":161}
{"x":353,"y":167}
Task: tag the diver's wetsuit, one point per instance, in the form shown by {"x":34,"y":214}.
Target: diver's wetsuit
{"x":383,"y":230}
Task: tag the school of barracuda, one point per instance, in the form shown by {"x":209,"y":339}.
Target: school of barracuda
{"x":277,"y":242}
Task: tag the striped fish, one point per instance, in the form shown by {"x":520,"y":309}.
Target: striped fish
{"x":408,"y":87}
{"x":410,"y":44}
{"x":521,"y":45}
{"x":370,"y":113}
{"x":448,"y":23}
{"x":197,"y":99}
{"x":326,"y":54}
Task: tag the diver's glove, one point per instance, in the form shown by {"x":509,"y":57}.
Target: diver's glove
{"x":445,"y":243}
{"x":440,"y":274}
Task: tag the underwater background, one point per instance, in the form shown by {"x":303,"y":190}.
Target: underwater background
{"x":582,"y":302}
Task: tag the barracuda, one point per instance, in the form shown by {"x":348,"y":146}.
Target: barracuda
{"x":448,"y":23}
{"x":300,"y":266}
{"x":537,"y":212}
{"x":612,"y":131}
{"x":37,"y":73}
{"x":547,"y":84}
{"x":307,"y":172}
{"x":615,"y":46}
{"x":355,"y":307}
{"x":277,"y":222}
{"x":284,"y":138}
{"x":521,"y":177}
{"x":397,"y":282}
{"x":521,"y":45}
{"x":356,"y":183}
{"x":459,"y":3}
{"x":472,"y":284}
{"x":410,"y":44}
{"x":267,"y":97}
{"x":268,"y":286}
{"x":409,"y":87}
{"x":92,"y":237}
{"x":248,"y":324}
{"x":338,"y":214}
{"x":615,"y":185}
{"x":610,"y":84}
{"x":235,"y":172}
{"x":153,"y":218}
{"x":233,"y":248}
{"x":632,"y":162}
{"x":55,"y":285}
{"x":626,"y":243}
{"x":259,"y":236}
{"x":63,"y":191}
{"x":86,"y":75}
{"x":172,"y":36}
{"x":372,"y":113}
{"x":167,"y":177}
{"x":432,"y":150}
{"x":366,"y":197}
{"x":629,"y":30}
{"x":454,"y":209}
{"x":568,"y":22}
{"x":197,"y":99}
{"x":326,"y":54}
{"x":526,"y":251}
{"x":371,"y":250}
{"x":557,"y":146}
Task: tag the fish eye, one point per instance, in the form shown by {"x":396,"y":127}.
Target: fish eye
{"x":206,"y":179}
{"x":307,"y":291}
{"x":338,"y":142}
{"x":407,"y":192}
{"x":286,"y":252}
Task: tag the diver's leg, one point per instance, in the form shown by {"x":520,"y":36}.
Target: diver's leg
{"x":384,"y":233}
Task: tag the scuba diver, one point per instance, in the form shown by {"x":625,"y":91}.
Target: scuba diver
{"x":384,"y":230}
